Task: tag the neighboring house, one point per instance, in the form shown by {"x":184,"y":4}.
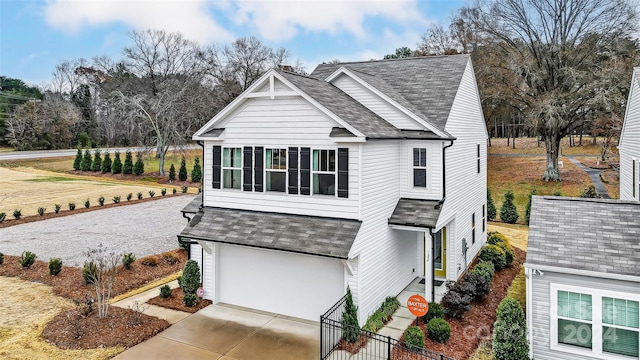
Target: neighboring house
{"x":365,"y":174}
{"x":583,"y":279}
{"x":629,"y":145}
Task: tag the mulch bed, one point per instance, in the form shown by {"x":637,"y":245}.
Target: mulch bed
{"x":477,"y":323}
{"x":80,"y":209}
{"x":175,"y":302}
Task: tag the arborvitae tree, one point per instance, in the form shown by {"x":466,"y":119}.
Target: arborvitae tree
{"x":350,"y":326}
{"x":106,"y":163}
{"x":190,"y":277}
{"x":527,"y":211}
{"x":85,"y":165}
{"x":182,"y":175}
{"x":508,"y":211}
{"x":510,"y":332}
{"x":128,"y":164}
{"x":491,"y":207}
{"x":97,"y":161}
{"x":172,"y":173}
{"x":196,"y":173}
{"x":116,"y":167}
{"x":78,"y":161}
{"x":138,"y":168}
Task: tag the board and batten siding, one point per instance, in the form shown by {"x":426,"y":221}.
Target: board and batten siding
{"x":375,"y":103}
{"x":387,"y":259}
{"x":282,"y":122}
{"x":630,"y":142}
{"x":541,"y":303}
{"x":466,"y":189}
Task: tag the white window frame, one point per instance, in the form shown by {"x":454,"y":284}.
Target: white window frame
{"x":334,"y":172}
{"x":596,"y":320}
{"x":285,"y":171}
{"x":634,"y":178}
{"x":484,"y":218}
{"x":232,"y":168}
{"x":412,"y":167}
{"x":473,"y":228}
{"x":479,"y":157}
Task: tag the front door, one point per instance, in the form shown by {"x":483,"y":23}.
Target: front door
{"x":440,"y":253}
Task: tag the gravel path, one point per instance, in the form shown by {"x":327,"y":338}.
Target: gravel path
{"x":143,"y":229}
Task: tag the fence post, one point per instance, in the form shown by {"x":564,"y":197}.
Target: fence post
{"x":321,"y":331}
{"x":388,"y":348}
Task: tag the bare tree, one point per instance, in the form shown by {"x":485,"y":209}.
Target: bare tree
{"x":102,"y":276}
{"x":556,"y":49}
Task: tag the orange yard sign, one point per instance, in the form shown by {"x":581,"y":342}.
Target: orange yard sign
{"x":417,"y":305}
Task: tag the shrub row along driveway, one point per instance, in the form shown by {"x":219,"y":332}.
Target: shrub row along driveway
{"x":143,"y":229}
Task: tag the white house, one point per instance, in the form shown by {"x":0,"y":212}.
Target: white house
{"x":364,"y":174}
{"x":629,"y":145}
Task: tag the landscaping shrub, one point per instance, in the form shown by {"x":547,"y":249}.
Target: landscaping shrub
{"x":170,"y":258}
{"x":389,"y":307}
{"x":182,"y":174}
{"x":350,"y":326}
{"x":172,"y":172}
{"x":508,"y":211}
{"x":138,"y":168}
{"x":152,"y":193}
{"x":97,"y":161}
{"x":1,"y":258}
{"x":456,"y":303}
{"x":165,"y":291}
{"x":190,"y":277}
{"x":557,"y":193}
{"x":414,"y":337}
{"x":101,"y":200}
{"x":189,"y":300}
{"x":127,"y":260}
{"x":149,"y":261}
{"x":439,"y":330}
{"x":55,"y":266}
{"x":518,"y":289}
{"x":481,"y":285}
{"x":89,"y":271}
{"x":502,"y":242}
{"x":87,"y":203}
{"x":17,"y":214}
{"x":163,"y":192}
{"x":116,"y":167}
{"x":527,"y":209}
{"x":174,"y":191}
{"x":196,"y":173}
{"x":589,"y":192}
{"x":85,"y":165}
{"x":129,"y":196}
{"x":127,"y":168}
{"x":494,"y":254}
{"x":375,"y":321}
{"x":491,"y":208}
{"x":510,"y":332}
{"x":27,"y":259}
{"x":72,"y":206}
{"x":3,"y":216}
{"x":383,"y":314}
{"x":116,"y":199}
{"x":435,"y":311}
{"x":139,"y":195}
{"x":41,"y":210}
{"x":56,"y":208}
{"x":78,"y":160}
{"x":106,"y":163}
{"x":184,"y":189}
{"x":484,"y":268}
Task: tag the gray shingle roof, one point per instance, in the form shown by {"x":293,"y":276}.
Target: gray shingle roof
{"x":414,"y":212}
{"x":193,"y":206}
{"x":585,"y":234}
{"x":424,"y":85}
{"x":294,"y":233}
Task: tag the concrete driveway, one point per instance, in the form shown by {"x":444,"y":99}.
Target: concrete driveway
{"x":228,"y":333}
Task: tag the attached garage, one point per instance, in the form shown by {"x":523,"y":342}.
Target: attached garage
{"x":279,"y":263}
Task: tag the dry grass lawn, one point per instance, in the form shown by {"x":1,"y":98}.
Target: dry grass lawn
{"x":518,"y":234}
{"x":530,"y":146}
{"x":26,"y":308}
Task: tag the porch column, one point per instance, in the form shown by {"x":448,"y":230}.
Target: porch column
{"x":428,"y":266}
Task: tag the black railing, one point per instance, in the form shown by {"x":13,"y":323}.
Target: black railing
{"x":369,"y":346}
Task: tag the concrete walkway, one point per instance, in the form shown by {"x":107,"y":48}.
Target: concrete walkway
{"x":172,"y":316}
{"x":594,"y":174}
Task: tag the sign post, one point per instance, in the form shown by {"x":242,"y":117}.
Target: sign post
{"x":418,"y":306}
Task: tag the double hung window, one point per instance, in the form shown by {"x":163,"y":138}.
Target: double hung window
{"x":276,"y":169}
{"x":232,"y":168}
{"x":324,"y":172}
{"x":420,"y":167}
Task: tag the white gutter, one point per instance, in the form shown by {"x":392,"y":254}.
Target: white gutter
{"x":529,"y":286}
{"x":570,"y":271}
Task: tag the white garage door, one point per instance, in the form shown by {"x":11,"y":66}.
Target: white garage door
{"x":279,"y":282}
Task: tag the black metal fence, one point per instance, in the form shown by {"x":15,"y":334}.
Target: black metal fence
{"x":369,"y":346}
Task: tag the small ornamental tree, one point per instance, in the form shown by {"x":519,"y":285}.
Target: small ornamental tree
{"x":78,"y":160}
{"x":527,"y":211}
{"x":102,"y":277}
{"x":196,"y":173}
{"x":491,"y":207}
{"x":116,"y":167}
{"x":172,"y":172}
{"x":106,"y":163}
{"x":97,"y":161}
{"x":128,"y":163}
{"x":350,"y":326}
{"x":85,"y":164}
{"x":138,"y":168}
{"x":508,"y":211}
{"x":510,"y":332}
{"x":182,"y":174}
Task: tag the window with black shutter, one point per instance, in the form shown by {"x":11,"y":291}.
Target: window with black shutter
{"x":293,"y":170}
{"x":305,"y":171}
{"x":258,"y":169}
{"x":217,"y":166}
{"x":247,"y":168}
{"x":343,"y":172}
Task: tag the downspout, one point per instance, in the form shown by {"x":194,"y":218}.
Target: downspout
{"x":199,"y":142}
{"x":444,"y":175}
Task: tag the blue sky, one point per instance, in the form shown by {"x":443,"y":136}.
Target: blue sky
{"x":35,"y":35}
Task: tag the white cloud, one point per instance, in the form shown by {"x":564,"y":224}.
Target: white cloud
{"x":281,"y":20}
{"x":191,"y":18}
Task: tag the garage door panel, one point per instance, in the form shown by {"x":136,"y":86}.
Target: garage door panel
{"x":279,"y":282}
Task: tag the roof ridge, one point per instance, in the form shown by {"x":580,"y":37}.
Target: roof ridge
{"x":424,"y":57}
{"x":298,"y":74}
{"x":594,"y":200}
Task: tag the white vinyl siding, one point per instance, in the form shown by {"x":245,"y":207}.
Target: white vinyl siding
{"x":433,"y":155}
{"x":630,"y":143}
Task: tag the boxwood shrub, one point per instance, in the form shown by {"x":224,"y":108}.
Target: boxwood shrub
{"x":510,"y":332}
{"x":414,"y":337}
{"x":494,"y":254}
{"x":435,"y":311}
{"x":438,"y":329}
{"x":165,"y":291}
